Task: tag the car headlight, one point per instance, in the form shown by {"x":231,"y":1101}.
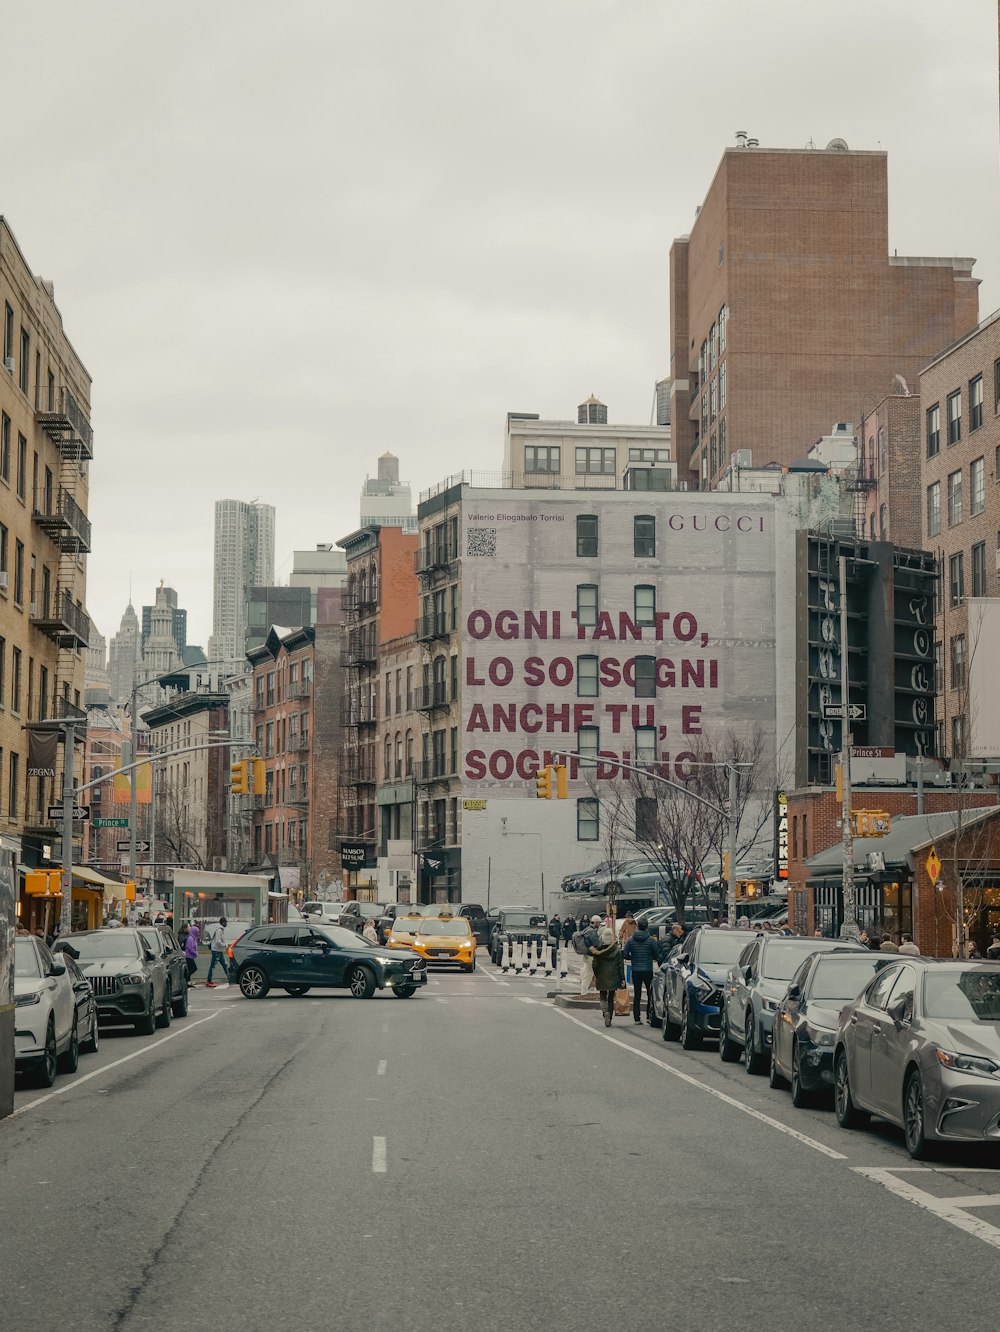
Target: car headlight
{"x":386,"y":961}
{"x":23,"y":1000}
{"x":700,"y":983}
{"x":136,"y":979}
{"x":964,"y":1063}
{"x":820,"y":1035}
{"x":769,"y":1005}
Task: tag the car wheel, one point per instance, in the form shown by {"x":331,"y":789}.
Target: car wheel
{"x":163,"y":1017}
{"x":729,"y":1051}
{"x":690,"y":1039}
{"x":180,"y":1004}
{"x":800,"y":1097}
{"x":671,"y":1029}
{"x":45,"y":1073}
{"x":848,"y":1114}
{"x":296,"y":991}
{"x":253,"y":983}
{"x":93,"y":1041}
{"x":913,"y":1117}
{"x":470,"y":967}
{"x":651,"y":1017}
{"x":753,"y":1059}
{"x":146,"y":1025}
{"x":69,"y":1060}
{"x":361,"y":983}
{"x":774,"y":1078}
{"x":404,"y":991}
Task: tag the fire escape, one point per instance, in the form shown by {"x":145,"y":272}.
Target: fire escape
{"x":359,"y":716}
{"x":863,"y":483}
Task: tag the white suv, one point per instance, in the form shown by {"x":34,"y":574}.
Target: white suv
{"x":45,"y":1034}
{"x":328,"y":913}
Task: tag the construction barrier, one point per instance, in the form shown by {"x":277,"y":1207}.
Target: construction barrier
{"x":530,"y":955}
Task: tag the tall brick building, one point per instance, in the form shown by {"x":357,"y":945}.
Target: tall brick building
{"x":787,"y":310}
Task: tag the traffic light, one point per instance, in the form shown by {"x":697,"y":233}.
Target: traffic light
{"x":748,"y":888}
{"x":725,"y":866}
{"x":562,"y":782}
{"x":259,"y":775}
{"x":543,"y":784}
{"x":238,"y":777}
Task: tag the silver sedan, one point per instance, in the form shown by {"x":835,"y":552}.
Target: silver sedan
{"x":920,"y":1047}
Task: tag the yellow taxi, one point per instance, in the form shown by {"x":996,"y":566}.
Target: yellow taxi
{"x":444,"y":941}
{"x":404,"y":931}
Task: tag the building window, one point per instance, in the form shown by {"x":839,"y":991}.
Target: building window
{"x":19,"y":574}
{"x":587,"y":681}
{"x":955,"y":417}
{"x":594,"y":460}
{"x":704,"y":415}
{"x":713,"y":399}
{"x":954,"y":498}
{"x":645,"y":677}
{"x":542,"y":458}
{"x":644,"y":604}
{"x":934,"y":430}
{"x":5,"y":448}
{"x":883,"y":522}
{"x":22,"y":465}
{"x":979,"y":569}
{"x":644,"y":536}
{"x":883,"y":453}
{"x":22,"y":369}
{"x":649,"y":455}
{"x":723,"y":317}
{"x":588,"y":741}
{"x":958,"y":737}
{"x":645,"y":819}
{"x":15,"y":680}
{"x":975,"y":403}
{"x":934,"y":509}
{"x":645,"y":746}
{"x":722,"y":387}
{"x":8,"y":331}
{"x":958,"y":661}
{"x":586,"y":604}
{"x":977,"y":486}
{"x":722,"y":442}
{"x":13,"y":784}
{"x":956,"y":579}
{"x":588,"y":821}
{"x":996,"y":386}
{"x":387,"y":769}
{"x":454,"y":749}
{"x":586,"y":536}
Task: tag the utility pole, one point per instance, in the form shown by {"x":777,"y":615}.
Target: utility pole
{"x":849,"y":923}
{"x":731,"y":842}
{"x":69,"y":756}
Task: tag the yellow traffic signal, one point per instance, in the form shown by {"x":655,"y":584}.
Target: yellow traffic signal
{"x":751,"y":889}
{"x":238,"y":777}
{"x":543,"y":784}
{"x":725,"y":866}
{"x":259,"y":775}
{"x":562,"y":782}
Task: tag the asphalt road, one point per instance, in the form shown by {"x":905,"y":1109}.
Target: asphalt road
{"x":470,"y":1158}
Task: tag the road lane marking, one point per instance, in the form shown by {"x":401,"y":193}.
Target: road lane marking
{"x":78,"y":1082}
{"x":943,"y":1207}
{"x":974,"y":1200}
{"x":703,"y":1086}
{"x":439,"y":1000}
{"x":489,"y":975}
{"x":383,"y":1064}
{"x":378,"y":1156}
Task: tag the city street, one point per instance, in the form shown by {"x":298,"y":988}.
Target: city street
{"x":474,"y":1157}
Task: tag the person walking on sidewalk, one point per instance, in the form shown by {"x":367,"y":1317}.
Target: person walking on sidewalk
{"x":642,"y":950}
{"x":609,"y":971}
{"x":591,"y":940}
{"x":217,"y":944}
{"x":907,"y":946}
{"x":568,"y":928}
{"x":191,"y":951}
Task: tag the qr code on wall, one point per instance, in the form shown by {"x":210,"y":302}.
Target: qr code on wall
{"x":481,"y":541}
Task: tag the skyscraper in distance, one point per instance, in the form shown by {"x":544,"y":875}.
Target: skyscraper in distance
{"x":244,"y":558}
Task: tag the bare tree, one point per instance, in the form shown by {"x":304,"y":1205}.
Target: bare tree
{"x":617,"y":828}
{"x":184,"y":833}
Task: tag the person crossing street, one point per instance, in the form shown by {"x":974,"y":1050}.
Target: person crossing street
{"x":642,"y":950}
{"x":217,"y":945}
{"x":609,"y":971}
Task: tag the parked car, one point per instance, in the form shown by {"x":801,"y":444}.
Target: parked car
{"x":806,"y":1020}
{"x":403,"y":931}
{"x":755,"y":987}
{"x":475,"y":914}
{"x":46,"y":1036}
{"x":521,"y":923}
{"x":163,"y":942}
{"x":130,"y":982}
{"x":325,"y":911}
{"x":300,"y":957}
{"x":354,"y":914}
{"x":445,"y":941}
{"x":687,"y":989}
{"x":920,"y":1047}
{"x":389,"y":913}
{"x":580,"y":881}
{"x":86,"y":1005}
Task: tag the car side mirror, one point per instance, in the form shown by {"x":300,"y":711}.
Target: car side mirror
{"x":747,"y":973}
{"x":57,"y":969}
{"x":901,"y":1011}
{"x":794,"y":992}
{"x":148,"y":955}
{"x":684,"y":958}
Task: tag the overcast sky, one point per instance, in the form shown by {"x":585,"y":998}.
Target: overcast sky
{"x":286,"y":237}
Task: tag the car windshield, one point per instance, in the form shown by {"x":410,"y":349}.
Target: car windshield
{"x":370,"y":910}
{"x":26,"y":959}
{"x":404,"y":929}
{"x":844,"y":978}
{"x":782,"y":958}
{"x":444,"y":927}
{"x":343,"y":938}
{"x":963,"y":996}
{"x":522,"y":920}
{"x":715,"y":946}
{"x":106,"y":944}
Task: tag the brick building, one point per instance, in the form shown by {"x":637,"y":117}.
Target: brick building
{"x":787,"y":310}
{"x":404,"y":702}
{"x":888,"y":483}
{"x":960,"y":399}
{"x":191,"y":787}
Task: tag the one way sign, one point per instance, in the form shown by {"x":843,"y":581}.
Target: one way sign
{"x":127,"y":846}
{"x":855,"y":711}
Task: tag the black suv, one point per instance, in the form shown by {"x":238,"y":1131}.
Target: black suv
{"x":131,"y":982}
{"x":163,"y":942}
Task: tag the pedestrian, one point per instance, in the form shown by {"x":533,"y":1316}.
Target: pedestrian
{"x":168,"y":920}
{"x":743,"y":923}
{"x":993,"y":951}
{"x":569,"y":928}
{"x":863,"y":939}
{"x":609,"y":970}
{"x":369,"y":932}
{"x":715,"y":923}
{"x":217,"y":945}
{"x":908,"y":946}
{"x":887,"y":945}
{"x":628,"y":928}
{"x":182,"y":933}
{"x":591,"y":939}
{"x":817,"y":934}
{"x":676,"y":936}
{"x":974,"y":954}
{"x":642,"y":950}
{"x":191,"y":951}
{"x":555,"y":930}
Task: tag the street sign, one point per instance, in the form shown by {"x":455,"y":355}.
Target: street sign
{"x":110,"y":823}
{"x":79,"y":812}
{"x":855,"y":711}
{"x":127,"y":846}
{"x":933,"y":866}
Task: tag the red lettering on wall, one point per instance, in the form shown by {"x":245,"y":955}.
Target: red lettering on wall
{"x":691,"y":719}
{"x":534,"y":672}
{"x":471,"y":678}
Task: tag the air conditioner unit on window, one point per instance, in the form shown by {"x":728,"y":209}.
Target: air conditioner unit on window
{"x":33,"y":610}
{"x":8,"y":365}
{"x":3,"y":579}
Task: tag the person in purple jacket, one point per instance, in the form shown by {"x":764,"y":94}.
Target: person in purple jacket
{"x":191,"y":951}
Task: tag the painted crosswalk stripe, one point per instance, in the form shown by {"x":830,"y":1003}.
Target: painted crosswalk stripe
{"x":382,"y":1066}
{"x":378,"y":1156}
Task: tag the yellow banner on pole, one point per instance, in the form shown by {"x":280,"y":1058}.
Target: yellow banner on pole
{"x":122,"y":790}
